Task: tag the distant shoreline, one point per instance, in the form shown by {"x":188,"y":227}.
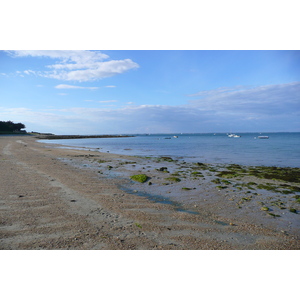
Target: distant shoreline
{"x":60,"y":137}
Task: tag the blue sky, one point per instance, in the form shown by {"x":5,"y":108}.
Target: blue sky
{"x":148,"y":91}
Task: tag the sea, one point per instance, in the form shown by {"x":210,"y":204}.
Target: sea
{"x":281,"y":149}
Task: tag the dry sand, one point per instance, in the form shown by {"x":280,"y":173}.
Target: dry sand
{"x":55,"y":198}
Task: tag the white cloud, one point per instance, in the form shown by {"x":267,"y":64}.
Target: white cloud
{"x":265,"y":108}
{"x":94,"y":71}
{"x":77,"y":65}
{"x":28,"y":72}
{"x":104,"y":101}
{"x":259,"y":101}
{"x":66,"y":86}
{"x":108,"y":101}
{"x":64,"y":56}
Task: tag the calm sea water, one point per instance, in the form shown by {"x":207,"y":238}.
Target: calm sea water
{"x":281,"y":149}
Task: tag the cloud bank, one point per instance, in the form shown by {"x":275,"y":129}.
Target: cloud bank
{"x":257,"y":102}
{"x":77,"y":65}
{"x":264,"y":108}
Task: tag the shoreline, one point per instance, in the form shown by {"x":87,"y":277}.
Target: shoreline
{"x":80,"y":199}
{"x":60,"y":137}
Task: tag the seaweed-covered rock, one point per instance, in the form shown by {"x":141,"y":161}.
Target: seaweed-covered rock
{"x":140,"y":178}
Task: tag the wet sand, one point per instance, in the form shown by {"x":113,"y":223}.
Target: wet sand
{"x":63,"y":198}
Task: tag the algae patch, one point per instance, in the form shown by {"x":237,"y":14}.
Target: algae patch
{"x":140,"y":178}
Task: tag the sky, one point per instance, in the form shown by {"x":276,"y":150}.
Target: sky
{"x":151,"y":91}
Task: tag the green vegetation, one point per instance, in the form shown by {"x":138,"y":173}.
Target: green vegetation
{"x":273,"y":215}
{"x":100,"y":161}
{"x":11,"y":127}
{"x":264,"y":208}
{"x":201,"y":166}
{"x":197,"y":174}
{"x":216,"y":181}
{"x":279,"y":204}
{"x":228,"y":174}
{"x":221,"y":187}
{"x":276,"y":173}
{"x":166,"y":158}
{"x":138,"y":225}
{"x":140,"y":178}
{"x":174,"y":179}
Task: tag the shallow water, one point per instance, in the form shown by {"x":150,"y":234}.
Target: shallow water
{"x":159,"y":199}
{"x":281,"y":149}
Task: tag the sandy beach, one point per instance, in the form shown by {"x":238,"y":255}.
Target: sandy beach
{"x":63,"y":198}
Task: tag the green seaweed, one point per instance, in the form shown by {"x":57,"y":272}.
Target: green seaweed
{"x":217,"y":181}
{"x":163,"y":169}
{"x":278,"y":203}
{"x":273,"y":215}
{"x":201,"y":166}
{"x":225,"y":181}
{"x":227,"y":174}
{"x":197,"y":174}
{"x":138,"y":225}
{"x":100,"y":161}
{"x":276,"y":173}
{"x":246,"y":198}
{"x":268,"y":187}
{"x":221,"y":187}
{"x":166,"y":158}
{"x":174,"y":179}
{"x":140,"y":178}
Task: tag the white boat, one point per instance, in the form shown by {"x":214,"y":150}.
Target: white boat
{"x":175,"y":136}
{"x":233,"y":135}
{"x":263,"y":137}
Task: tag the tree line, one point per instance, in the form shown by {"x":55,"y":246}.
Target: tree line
{"x":9,"y":126}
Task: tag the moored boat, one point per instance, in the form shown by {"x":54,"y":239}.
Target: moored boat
{"x":263,"y":137}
